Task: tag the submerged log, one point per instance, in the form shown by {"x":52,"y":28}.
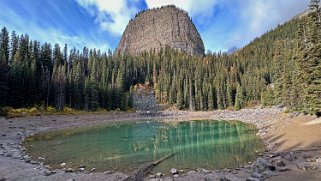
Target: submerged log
{"x":142,"y":171}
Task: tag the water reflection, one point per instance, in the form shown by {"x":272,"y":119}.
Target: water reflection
{"x":197,"y":144}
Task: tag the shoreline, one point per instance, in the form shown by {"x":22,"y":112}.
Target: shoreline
{"x":16,"y":165}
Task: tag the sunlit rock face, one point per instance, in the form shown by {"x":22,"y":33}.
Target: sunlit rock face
{"x":154,"y":29}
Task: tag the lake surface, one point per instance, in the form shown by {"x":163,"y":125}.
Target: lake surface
{"x":127,"y":146}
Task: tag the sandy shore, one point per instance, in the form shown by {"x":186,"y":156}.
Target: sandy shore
{"x":293,"y":145}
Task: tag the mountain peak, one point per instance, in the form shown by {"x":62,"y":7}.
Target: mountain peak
{"x":156,"y":28}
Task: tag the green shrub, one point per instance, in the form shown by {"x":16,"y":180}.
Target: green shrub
{"x":4,"y":111}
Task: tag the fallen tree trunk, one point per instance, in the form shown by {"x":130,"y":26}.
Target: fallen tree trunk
{"x":142,"y":171}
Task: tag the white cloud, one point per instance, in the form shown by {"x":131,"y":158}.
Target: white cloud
{"x":253,"y":18}
{"x":79,"y":41}
{"x":194,"y":8}
{"x":111,"y":16}
{"x":53,"y":36}
{"x":235,"y":22}
{"x":114,"y":16}
{"x":50,"y":34}
{"x":59,"y":37}
{"x":259,"y":16}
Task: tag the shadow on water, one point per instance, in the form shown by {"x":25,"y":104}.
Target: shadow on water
{"x":125,"y":147}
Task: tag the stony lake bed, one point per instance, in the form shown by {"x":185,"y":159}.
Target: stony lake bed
{"x":126,"y":147}
{"x":286,"y":156}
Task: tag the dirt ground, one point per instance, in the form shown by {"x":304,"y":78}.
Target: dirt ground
{"x":296,"y":135}
{"x":281,"y":132}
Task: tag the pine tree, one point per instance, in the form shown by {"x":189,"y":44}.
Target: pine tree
{"x":229,"y":95}
{"x":78,"y":85}
{"x":130,"y":97}
{"x":278,"y":59}
{"x":286,"y":92}
{"x":210,"y":99}
{"x":308,"y":63}
{"x":57,"y":56}
{"x":14,"y":46}
{"x":59,"y":86}
{"x":65,"y":56}
{"x":87,"y":94}
{"x":315,"y":6}
{"x":179,"y":95}
{"x":204,"y":96}
{"x":31,"y":74}
{"x":4,"y":44}
{"x":191,"y":96}
{"x":16,"y":98}
{"x":240,"y":98}
{"x":299,"y":61}
{"x":93,"y":92}
{"x":313,"y":62}
{"x":4,"y":68}
{"x":121,"y":98}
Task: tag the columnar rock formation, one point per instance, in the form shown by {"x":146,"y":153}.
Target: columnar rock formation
{"x":154,"y":29}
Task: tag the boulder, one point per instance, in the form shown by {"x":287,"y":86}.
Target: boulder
{"x":173,"y":171}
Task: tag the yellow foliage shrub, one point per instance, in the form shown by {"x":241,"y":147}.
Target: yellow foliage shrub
{"x":51,"y":109}
{"x":68,"y":110}
{"x":34,"y":111}
{"x":12,"y":113}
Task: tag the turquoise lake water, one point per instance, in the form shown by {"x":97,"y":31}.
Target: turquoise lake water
{"x":127,"y":146}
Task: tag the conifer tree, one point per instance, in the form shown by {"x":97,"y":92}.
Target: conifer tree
{"x":4,"y":44}
{"x":315,"y":6}
{"x":13,"y":45}
{"x":308,"y":63}
{"x":278,"y":59}
{"x":93,"y":88}
{"x":240,"y":98}
{"x":78,"y":87}
{"x":59,"y":86}
{"x":229,"y":95}
{"x":313,"y":62}
{"x":179,"y":96}
{"x":210,"y":99}
{"x":4,"y":68}
{"x":191,"y":96}
{"x":87,"y":93}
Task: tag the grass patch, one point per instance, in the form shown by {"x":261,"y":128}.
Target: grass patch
{"x":9,"y":112}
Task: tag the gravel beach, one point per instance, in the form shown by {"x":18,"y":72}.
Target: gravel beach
{"x":293,"y":147}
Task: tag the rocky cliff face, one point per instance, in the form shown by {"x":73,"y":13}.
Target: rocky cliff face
{"x":145,"y":101}
{"x":156,"y":28}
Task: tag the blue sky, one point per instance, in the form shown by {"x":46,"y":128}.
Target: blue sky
{"x":99,"y":23}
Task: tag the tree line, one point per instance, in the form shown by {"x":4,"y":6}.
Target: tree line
{"x":282,"y":67}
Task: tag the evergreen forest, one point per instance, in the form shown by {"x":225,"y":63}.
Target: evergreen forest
{"x":282,"y":67}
